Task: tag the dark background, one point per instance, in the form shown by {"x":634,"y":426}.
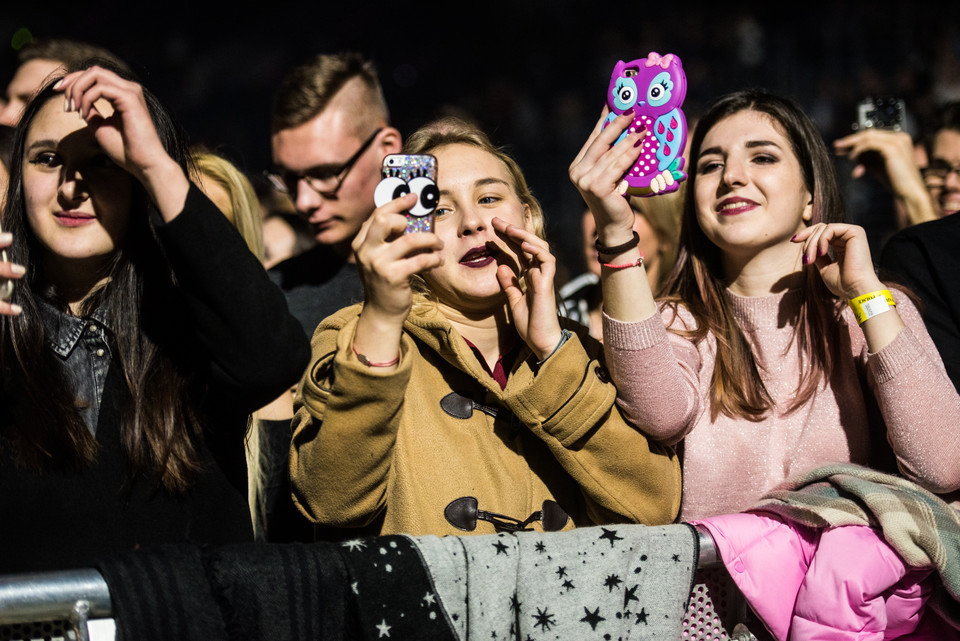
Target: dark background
{"x":533,"y":73}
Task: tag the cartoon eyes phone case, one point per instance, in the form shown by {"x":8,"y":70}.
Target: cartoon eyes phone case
{"x":403,"y":174}
{"x":654,"y":87}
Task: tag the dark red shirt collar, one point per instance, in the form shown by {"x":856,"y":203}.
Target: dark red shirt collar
{"x":501,"y":368}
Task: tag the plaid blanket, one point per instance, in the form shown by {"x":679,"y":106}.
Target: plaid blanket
{"x":922,"y":528}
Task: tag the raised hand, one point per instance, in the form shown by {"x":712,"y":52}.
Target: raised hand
{"x":117,"y":112}
{"x":597,"y":171}
{"x":849,"y":272}
{"x":534,"y":311}
{"x":890,"y":154}
{"x":9,"y":272}
{"x":387,"y":258}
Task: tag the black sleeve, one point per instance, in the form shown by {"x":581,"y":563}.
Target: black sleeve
{"x":920,"y":259}
{"x":234,"y":313}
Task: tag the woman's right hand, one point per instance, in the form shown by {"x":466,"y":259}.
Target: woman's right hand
{"x":387,"y":258}
{"x":9,"y":272}
{"x":599,"y":168}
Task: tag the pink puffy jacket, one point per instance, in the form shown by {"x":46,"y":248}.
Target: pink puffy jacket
{"x":836,"y":583}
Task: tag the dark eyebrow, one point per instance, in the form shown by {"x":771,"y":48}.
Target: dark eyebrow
{"x":751,"y":144}
{"x":481,"y":183}
{"x":42,"y":143}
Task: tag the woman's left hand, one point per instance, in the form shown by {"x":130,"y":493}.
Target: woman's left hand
{"x":116,"y":110}
{"x":534,"y":311}
{"x":850,"y":273}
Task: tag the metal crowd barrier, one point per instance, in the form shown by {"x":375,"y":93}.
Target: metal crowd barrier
{"x":75,"y":604}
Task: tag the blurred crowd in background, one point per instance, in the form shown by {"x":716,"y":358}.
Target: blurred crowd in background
{"x":532,"y":74}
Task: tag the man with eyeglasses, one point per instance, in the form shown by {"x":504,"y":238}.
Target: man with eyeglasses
{"x":330,"y":132}
{"x":926,"y":257}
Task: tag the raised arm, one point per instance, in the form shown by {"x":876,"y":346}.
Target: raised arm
{"x":117,"y":111}
{"x":353,"y":393}
{"x":643,"y":363}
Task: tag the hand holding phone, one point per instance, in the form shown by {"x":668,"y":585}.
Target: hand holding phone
{"x":653,"y":88}
{"x":403,"y":174}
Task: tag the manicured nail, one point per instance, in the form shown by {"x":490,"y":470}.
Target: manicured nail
{"x":6,"y":237}
{"x":794,"y":237}
{"x":58,"y":84}
{"x":19,"y":270}
{"x":16,"y":309}
{"x":805,"y":259}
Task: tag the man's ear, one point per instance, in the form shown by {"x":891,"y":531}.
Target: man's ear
{"x":391,"y":142}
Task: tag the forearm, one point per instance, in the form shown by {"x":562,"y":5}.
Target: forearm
{"x":917,"y":206}
{"x":344,"y":434}
{"x":167,"y":187}
{"x":919,"y":405}
{"x":570,"y":406}
{"x":237,"y":316}
{"x":656,"y":374}
{"x":626,"y":290}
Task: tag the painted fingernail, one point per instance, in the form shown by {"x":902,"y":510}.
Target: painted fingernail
{"x":19,"y":270}
{"x":805,"y":260}
{"x":16,"y":309}
{"x":794,"y":237}
{"x":58,"y":84}
{"x":6,"y":237}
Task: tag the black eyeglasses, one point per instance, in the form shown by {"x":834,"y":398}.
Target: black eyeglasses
{"x":325,"y":182}
{"x":938,"y":170}
{"x":463,"y":514}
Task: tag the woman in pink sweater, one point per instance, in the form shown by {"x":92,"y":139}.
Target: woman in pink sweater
{"x":755,"y":359}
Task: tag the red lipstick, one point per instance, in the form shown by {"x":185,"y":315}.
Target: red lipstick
{"x":74,"y":218}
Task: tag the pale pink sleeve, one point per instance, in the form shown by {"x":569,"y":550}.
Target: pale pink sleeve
{"x":919,"y":404}
{"x":657,"y":376}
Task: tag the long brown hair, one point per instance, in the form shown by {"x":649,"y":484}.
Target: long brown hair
{"x":697,"y":281}
{"x":41,"y":424}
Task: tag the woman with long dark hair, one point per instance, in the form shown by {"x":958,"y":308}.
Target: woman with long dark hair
{"x":140,"y":334}
{"x":779,"y":348}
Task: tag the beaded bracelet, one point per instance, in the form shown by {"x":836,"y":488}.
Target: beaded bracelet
{"x":637,"y":263}
{"x":869,"y":305}
{"x":618,"y":249}
{"x":366,"y":361}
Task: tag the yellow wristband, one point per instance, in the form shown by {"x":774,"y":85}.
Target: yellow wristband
{"x":869,"y":305}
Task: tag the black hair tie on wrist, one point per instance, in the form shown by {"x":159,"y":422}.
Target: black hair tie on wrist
{"x":618,"y":249}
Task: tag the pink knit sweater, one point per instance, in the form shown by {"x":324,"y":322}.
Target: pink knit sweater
{"x":663,"y":383}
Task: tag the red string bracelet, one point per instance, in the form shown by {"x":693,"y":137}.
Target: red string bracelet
{"x":366,"y":361}
{"x":637,"y":263}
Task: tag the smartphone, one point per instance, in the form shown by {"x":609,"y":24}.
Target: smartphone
{"x":402,"y":174}
{"x":880,"y":113}
{"x":6,"y":286}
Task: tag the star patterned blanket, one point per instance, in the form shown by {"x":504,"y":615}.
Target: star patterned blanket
{"x":603,"y":582}
{"x":610,"y":582}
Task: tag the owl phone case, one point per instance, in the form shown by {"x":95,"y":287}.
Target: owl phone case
{"x":403,"y":174}
{"x":654,"y":87}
